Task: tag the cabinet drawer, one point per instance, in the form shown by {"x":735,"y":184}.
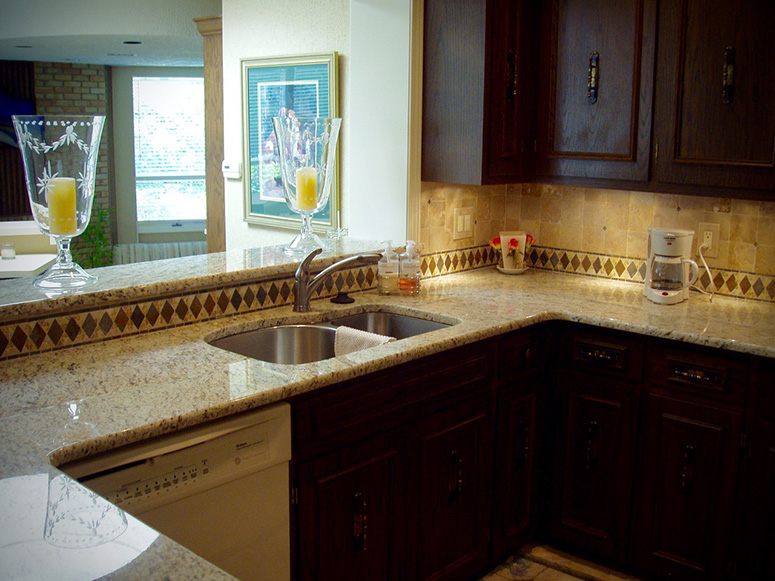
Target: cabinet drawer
{"x":518,"y":353}
{"x":698,"y":371}
{"x":603,"y":352}
{"x":390,"y":398}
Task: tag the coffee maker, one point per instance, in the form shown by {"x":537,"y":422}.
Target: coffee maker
{"x":669,"y":271}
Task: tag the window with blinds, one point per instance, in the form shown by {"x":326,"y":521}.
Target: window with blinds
{"x":169,"y":146}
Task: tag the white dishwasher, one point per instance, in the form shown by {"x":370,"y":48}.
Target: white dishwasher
{"x":219,"y":489}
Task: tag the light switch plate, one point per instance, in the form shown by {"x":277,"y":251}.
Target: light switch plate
{"x":463,"y":223}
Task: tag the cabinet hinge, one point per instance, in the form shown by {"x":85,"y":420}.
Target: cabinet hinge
{"x":656,"y":151}
{"x":295,"y":496}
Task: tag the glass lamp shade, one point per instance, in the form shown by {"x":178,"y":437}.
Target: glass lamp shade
{"x":60,"y":160}
{"x":307,"y":151}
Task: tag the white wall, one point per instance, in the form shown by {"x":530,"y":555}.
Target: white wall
{"x":380,"y":44}
{"x":373,"y":40}
{"x":264,"y":28}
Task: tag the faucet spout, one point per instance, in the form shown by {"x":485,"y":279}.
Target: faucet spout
{"x":305,"y":286}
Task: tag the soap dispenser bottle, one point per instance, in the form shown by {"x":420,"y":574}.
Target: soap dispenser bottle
{"x":409,"y":280}
{"x":388,"y":271}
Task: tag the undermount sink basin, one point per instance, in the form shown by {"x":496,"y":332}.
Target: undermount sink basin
{"x":390,"y":324}
{"x":283,"y":344}
{"x":296,"y":344}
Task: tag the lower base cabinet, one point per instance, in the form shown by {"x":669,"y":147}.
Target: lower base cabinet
{"x":652,"y":454}
{"x":684,"y":502}
{"x":351,"y":510}
{"x":452,"y":455}
{"x":399,"y":490}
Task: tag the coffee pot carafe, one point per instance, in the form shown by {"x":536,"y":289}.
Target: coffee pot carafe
{"x":669,"y":271}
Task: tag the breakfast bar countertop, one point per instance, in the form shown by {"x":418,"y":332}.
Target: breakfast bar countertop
{"x":150,"y":384}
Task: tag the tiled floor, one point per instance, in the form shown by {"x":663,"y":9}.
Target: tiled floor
{"x":545,"y":563}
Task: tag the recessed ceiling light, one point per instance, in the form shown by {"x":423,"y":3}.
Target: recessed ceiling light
{"x":132,"y":42}
{"x":23,"y":46}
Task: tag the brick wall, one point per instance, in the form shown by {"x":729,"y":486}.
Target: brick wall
{"x":80,"y":89}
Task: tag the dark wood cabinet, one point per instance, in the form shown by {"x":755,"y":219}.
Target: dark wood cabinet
{"x":596,"y":88}
{"x":518,"y":443}
{"x":655,"y":454}
{"x":351,"y":510}
{"x":450,"y":537}
{"x":392,"y":471}
{"x":597,"y":401}
{"x":755,"y":532}
{"x":691,"y":435}
{"x":714,"y":120}
{"x":595,"y":463}
{"x":479,"y":90}
{"x":682,"y":517}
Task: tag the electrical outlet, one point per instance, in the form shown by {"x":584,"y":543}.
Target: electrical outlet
{"x":710,"y":237}
{"x":463,"y":223}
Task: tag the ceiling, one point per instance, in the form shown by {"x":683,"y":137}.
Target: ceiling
{"x":105,"y":32}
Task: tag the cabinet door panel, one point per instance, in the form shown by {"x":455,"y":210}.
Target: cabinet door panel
{"x":600,"y":60}
{"x":350,"y":517}
{"x":453,"y":523}
{"x":514,"y":474}
{"x":684,"y":506}
{"x":713,"y":131}
{"x":593,"y":502}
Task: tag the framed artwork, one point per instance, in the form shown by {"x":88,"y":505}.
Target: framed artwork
{"x":306,"y":86}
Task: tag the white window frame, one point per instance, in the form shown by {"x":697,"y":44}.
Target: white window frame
{"x":129,"y":229}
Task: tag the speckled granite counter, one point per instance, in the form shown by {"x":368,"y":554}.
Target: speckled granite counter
{"x":149,"y":384}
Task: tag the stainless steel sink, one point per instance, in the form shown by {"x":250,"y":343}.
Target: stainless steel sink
{"x":390,"y":324}
{"x":295,"y":344}
{"x":283,"y":344}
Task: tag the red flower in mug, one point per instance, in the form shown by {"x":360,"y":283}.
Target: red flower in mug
{"x":513,"y":248}
{"x":495,"y":243}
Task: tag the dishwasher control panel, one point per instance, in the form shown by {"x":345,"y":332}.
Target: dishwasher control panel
{"x":141,"y":492}
{"x":150,"y":476}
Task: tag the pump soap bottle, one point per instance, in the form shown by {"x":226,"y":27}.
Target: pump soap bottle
{"x":388,"y":271}
{"x":409,"y":280}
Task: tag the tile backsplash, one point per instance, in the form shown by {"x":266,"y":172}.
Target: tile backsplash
{"x":584,"y":222}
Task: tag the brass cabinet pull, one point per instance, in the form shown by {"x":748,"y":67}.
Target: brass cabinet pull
{"x":593,"y":77}
{"x":593,"y":431}
{"x":523,"y":445}
{"x":512,"y":79}
{"x":455,"y":477}
{"x":687,"y":469}
{"x":360,"y":524}
{"x":728,"y":75}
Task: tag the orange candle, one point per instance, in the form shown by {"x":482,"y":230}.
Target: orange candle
{"x":60,"y":195}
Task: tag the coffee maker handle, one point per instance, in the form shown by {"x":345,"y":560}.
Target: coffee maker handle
{"x":695,"y":271}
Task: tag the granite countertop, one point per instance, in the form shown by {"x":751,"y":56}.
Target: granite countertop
{"x":150,"y":384}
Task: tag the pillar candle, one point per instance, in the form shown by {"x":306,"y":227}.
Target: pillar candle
{"x":306,"y":188}
{"x":60,"y":195}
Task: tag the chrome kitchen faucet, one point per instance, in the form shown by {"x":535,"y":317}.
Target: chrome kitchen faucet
{"x":305,"y":287}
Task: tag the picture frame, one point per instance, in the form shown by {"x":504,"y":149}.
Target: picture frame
{"x":306,"y":84}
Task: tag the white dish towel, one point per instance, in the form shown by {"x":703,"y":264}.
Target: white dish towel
{"x":348,"y":340}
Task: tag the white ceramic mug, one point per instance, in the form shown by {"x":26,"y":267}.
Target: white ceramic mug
{"x":513,"y":262}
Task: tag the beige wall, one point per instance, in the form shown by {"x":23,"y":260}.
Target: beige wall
{"x":601,"y":221}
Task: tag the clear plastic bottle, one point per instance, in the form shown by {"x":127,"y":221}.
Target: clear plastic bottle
{"x":388,"y":271}
{"x":409,"y":280}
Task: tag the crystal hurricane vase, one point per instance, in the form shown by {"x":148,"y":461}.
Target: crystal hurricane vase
{"x":60,"y":161}
{"x":307,"y":151}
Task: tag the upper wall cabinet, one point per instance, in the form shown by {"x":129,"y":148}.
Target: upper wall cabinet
{"x":597,"y":60}
{"x":479,"y":90}
{"x":714,"y":120}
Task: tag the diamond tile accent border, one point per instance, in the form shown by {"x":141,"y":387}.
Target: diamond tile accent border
{"x":744,"y":285}
{"x":30,"y":336}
